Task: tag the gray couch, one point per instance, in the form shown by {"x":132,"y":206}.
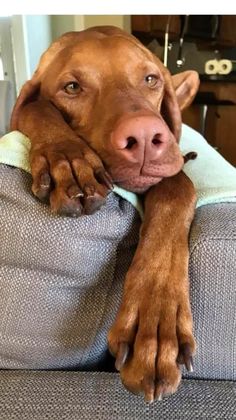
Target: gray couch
{"x":60,"y":283}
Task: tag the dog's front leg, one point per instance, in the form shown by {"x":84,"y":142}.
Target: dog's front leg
{"x":152,"y":334}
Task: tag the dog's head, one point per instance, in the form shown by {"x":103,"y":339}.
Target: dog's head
{"x":120,"y":98}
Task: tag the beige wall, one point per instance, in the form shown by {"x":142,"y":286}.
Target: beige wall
{"x":65,"y":23}
{"x":61,"y":24}
{"x":121,"y":21}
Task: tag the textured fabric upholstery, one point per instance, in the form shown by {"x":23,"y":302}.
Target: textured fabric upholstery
{"x":60,"y":278}
{"x":91,"y":396}
{"x":61,"y":281}
{"x":213,"y":290}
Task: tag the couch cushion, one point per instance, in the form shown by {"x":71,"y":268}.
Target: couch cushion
{"x":91,"y":395}
{"x":61,"y":281}
{"x":213,"y":290}
{"x":60,"y":278}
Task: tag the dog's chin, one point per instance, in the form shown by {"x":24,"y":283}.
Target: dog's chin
{"x":139,"y":184}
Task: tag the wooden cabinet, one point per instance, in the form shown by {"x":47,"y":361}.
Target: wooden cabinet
{"x":216,"y":120}
{"x":155,"y":24}
{"x":220,"y":130}
{"x":227,"y":31}
{"x":147,"y":26}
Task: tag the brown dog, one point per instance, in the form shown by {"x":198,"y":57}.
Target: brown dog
{"x":99,"y":97}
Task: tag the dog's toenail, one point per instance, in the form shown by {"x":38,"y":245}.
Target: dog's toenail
{"x":74,"y":192}
{"x":160,"y":397}
{"x":122,"y":354}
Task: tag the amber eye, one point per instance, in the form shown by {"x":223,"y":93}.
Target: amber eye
{"x":72,"y":88}
{"x":151,"y":80}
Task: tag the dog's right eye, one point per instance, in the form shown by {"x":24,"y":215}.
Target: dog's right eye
{"x":152,"y":81}
{"x":72,"y":88}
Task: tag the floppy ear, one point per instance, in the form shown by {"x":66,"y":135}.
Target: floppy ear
{"x":31,"y":89}
{"x":28,"y":93}
{"x":186,"y":85}
{"x":179,"y":92}
{"x":170,"y":109}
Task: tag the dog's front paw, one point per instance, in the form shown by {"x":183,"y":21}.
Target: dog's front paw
{"x":151,"y":337}
{"x":71,"y":176}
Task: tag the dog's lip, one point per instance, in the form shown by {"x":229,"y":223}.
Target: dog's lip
{"x":138,"y":184}
{"x":135,"y":178}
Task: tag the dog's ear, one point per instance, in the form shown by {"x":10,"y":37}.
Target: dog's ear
{"x":29,"y":93}
{"x":186,"y":85}
{"x":179,"y":92}
{"x":170,"y":109}
{"x":31,"y":89}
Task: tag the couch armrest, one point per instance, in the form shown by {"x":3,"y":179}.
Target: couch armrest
{"x":213,"y":290}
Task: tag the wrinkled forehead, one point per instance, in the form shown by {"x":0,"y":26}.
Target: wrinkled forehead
{"x":104,"y":56}
{"x":115,"y":46}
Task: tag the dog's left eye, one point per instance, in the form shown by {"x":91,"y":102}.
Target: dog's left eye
{"x":72,"y":88}
{"x":151,"y":80}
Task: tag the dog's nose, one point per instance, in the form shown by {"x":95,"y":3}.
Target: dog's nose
{"x":140,"y":138}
